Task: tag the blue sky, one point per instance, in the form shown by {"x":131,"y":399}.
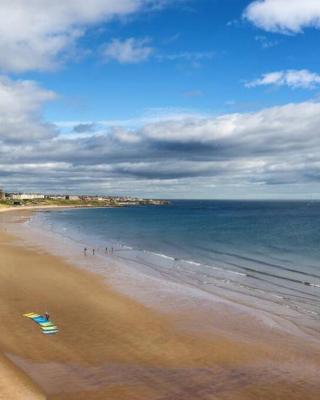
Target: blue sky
{"x":154,"y":97}
{"x":232,"y":49}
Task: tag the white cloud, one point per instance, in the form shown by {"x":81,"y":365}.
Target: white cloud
{"x":20,"y":106}
{"x":292,"y":78}
{"x":34,"y":34}
{"x":128,"y":51}
{"x":263,"y":129}
{"x":284,"y":16}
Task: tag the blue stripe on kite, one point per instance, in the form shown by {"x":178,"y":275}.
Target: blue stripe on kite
{"x":40,"y":319}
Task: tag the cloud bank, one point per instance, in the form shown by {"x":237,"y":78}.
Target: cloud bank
{"x":284,"y":16}
{"x":279,"y":145}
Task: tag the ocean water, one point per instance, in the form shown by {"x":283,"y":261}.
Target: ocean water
{"x":263,"y":251}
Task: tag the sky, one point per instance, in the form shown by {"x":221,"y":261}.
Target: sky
{"x":208,"y":99}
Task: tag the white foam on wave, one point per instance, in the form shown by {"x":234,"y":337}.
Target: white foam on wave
{"x":125,"y":247}
{"x":236,"y":273}
{"x":192,"y":263}
{"x":162,"y":255}
{"x":227,"y":271}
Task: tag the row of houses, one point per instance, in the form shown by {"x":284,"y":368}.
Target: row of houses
{"x":40,"y":196}
{"x":25,"y":196}
{"x":34,"y":196}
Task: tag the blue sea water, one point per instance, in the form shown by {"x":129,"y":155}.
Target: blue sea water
{"x":265,"y":249}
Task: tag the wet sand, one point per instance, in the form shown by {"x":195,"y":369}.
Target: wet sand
{"x":111,"y":347}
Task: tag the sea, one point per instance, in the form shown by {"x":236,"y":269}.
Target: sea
{"x":266,"y":253}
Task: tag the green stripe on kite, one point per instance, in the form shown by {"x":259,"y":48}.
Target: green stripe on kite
{"x":49,"y":328}
{"x":50,"y":332}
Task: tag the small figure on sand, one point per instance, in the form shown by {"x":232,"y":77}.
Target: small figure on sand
{"x":111,"y":250}
{"x":85,"y":251}
{"x":47,"y":316}
{"x":93,"y":251}
{"x":107,"y":250}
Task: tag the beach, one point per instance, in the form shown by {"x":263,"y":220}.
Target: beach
{"x":111,"y":346}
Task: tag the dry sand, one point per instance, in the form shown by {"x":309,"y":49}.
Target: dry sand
{"x":110,"y":347}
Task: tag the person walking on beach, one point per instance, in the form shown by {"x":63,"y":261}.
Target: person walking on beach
{"x":47,"y":316}
{"x":93,"y":251}
{"x":107,"y":250}
{"x":85,"y":251}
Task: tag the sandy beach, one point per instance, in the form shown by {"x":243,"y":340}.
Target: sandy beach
{"x":111,"y":347}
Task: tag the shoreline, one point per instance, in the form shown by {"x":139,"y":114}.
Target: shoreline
{"x":47,"y":207}
{"x":100,"y":338}
{"x":161,"y":292}
{"x":140,"y":268}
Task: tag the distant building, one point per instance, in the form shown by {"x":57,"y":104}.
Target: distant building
{"x":85,"y":198}
{"x":26,"y":196}
{"x":55,"y":197}
{"x":2,"y":194}
{"x":71,"y":197}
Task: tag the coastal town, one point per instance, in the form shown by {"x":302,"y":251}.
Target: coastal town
{"x":22,"y":199}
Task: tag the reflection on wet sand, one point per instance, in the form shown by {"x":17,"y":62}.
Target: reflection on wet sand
{"x":265,"y":381}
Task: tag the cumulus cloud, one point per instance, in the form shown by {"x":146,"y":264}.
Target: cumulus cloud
{"x":35,"y":34}
{"x":128,"y":51}
{"x":292,"y":78}
{"x":43,"y":34}
{"x":268,"y":147}
{"x":20,"y":107}
{"x":284,"y":16}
